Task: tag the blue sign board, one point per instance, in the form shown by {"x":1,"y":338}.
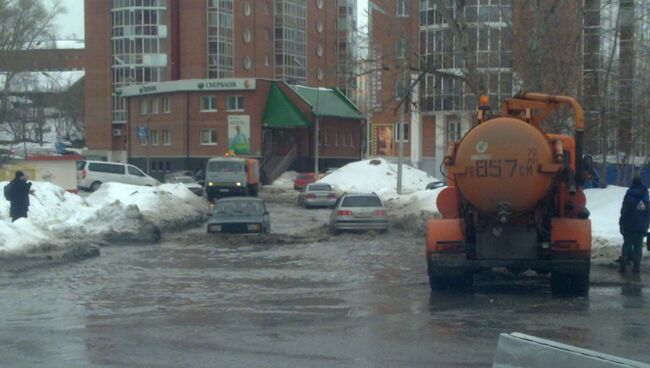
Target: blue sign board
{"x":142,"y":132}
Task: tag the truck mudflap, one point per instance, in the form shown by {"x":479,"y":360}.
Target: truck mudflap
{"x":446,"y":267}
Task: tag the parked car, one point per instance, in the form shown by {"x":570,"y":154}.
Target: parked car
{"x":359,"y":212}
{"x":317,"y":195}
{"x":303,"y":179}
{"x":435,"y":185}
{"x":91,"y":175}
{"x":189,"y":183}
{"x":239,"y":215}
{"x":174,"y":174}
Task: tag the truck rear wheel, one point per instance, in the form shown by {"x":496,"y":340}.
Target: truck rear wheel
{"x":463,"y":282}
{"x":570,"y":284}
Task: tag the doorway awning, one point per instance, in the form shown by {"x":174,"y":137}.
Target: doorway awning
{"x":281,"y":112}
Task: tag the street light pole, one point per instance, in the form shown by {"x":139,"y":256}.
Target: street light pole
{"x":317,"y":133}
{"x":404,"y":98}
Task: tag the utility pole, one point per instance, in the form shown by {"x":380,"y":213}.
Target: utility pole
{"x":404,"y":92}
{"x":316,"y":110}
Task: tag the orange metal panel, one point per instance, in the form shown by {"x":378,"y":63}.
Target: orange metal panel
{"x":566,"y":230}
{"x":443,"y":231}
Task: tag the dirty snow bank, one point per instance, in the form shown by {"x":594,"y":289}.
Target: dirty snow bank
{"x":605,"y":208}
{"x":378,"y":176}
{"x":115,"y":212}
{"x":285,"y":181}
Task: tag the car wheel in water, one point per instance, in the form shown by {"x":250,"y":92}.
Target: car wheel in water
{"x":95,"y":186}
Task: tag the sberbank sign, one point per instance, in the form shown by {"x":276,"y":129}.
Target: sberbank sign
{"x":188,"y":85}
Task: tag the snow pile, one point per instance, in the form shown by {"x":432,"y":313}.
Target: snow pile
{"x":605,"y":208}
{"x":115,"y":212}
{"x":378,"y":176}
{"x":285,"y":181}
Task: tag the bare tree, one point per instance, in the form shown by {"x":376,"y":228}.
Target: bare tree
{"x":26,"y":23}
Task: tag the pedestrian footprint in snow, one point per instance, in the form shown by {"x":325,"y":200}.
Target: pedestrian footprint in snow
{"x":634,"y":221}
{"x":17,"y":193}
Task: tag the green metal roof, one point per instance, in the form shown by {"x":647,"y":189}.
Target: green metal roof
{"x":281,"y":112}
{"x":328,"y":102}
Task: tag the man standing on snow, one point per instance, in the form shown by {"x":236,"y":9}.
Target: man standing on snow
{"x":19,"y":192}
{"x":634,"y":221}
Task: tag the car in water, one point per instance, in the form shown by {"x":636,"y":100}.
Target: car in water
{"x":317,"y":195}
{"x":359,"y":212}
{"x":189,"y":183}
{"x":302,"y":180}
{"x":239,"y":215}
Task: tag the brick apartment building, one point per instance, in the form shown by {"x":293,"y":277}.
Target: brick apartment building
{"x":172,"y":44}
{"x":443,"y":107}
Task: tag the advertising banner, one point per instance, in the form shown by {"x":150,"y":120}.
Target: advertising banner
{"x":239,"y":134}
{"x":382,"y":139}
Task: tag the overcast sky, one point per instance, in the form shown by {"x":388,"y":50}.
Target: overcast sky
{"x":72,"y":23}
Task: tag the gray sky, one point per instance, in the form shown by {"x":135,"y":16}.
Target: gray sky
{"x":72,"y":23}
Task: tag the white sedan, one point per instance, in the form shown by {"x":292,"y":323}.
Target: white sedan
{"x":189,"y":183}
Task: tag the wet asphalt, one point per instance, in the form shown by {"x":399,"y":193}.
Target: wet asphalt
{"x":297,"y":298}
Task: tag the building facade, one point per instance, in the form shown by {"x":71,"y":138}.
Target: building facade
{"x":179,"y":125}
{"x":152,"y":41}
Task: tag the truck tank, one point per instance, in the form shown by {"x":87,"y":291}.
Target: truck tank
{"x":503,"y":162}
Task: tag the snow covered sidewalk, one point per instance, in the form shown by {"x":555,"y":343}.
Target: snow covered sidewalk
{"x":116,"y":212}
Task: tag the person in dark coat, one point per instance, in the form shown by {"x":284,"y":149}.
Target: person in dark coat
{"x":634,"y":221}
{"x":19,"y":196}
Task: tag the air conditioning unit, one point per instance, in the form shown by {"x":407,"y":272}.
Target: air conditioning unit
{"x":117,"y":132}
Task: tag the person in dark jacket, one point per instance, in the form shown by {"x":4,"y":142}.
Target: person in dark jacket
{"x":634,"y":221}
{"x":19,"y":196}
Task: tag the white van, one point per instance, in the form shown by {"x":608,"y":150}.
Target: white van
{"x":91,"y":175}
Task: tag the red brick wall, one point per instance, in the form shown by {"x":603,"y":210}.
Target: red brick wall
{"x":98,"y":75}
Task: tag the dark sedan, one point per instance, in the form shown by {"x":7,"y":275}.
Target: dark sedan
{"x":240,"y":215}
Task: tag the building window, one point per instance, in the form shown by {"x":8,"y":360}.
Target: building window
{"x":235,"y":103}
{"x":167,"y":105}
{"x":319,"y":50}
{"x":403,"y":8}
{"x":247,"y":9}
{"x":208,"y":137}
{"x":319,"y":74}
{"x":401,"y":88}
{"x":319,"y":4}
{"x":154,"y":137}
{"x":336,"y":138}
{"x":208,"y":103}
{"x":267,"y":34}
{"x":143,"y":141}
{"x":138,"y":47}
{"x":326,"y":138}
{"x":319,"y":26}
{"x":247,"y":63}
{"x":166,"y":138}
{"x":144,"y":106}
{"x":221,"y":59}
{"x":291,"y":40}
{"x":453,"y":130}
{"x":351,"y":142}
{"x":154,"y":105}
{"x":401,"y":48}
{"x":398,"y":134}
{"x":267,"y":60}
{"x":248,"y":36}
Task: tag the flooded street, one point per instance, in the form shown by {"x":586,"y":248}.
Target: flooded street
{"x":301,"y":300}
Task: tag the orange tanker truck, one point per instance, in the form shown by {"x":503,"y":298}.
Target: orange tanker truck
{"x":514,"y":200}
